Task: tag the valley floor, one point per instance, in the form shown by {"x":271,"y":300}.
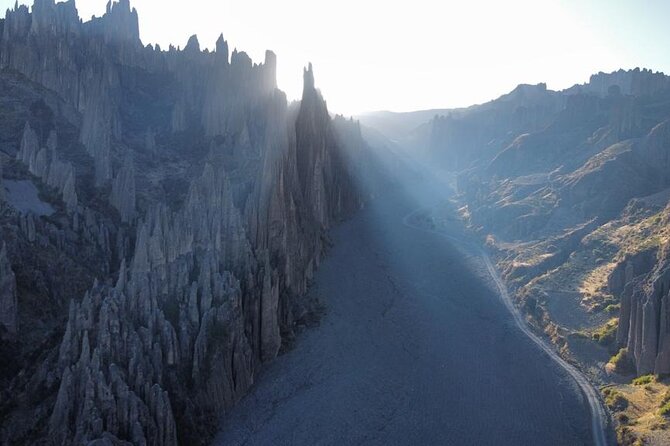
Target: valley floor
{"x":416,"y":348}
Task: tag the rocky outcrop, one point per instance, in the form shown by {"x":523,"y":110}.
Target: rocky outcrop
{"x":9,"y":311}
{"x":637,"y":82}
{"x":197,"y":198}
{"x":654,"y":149}
{"x":123,"y":191}
{"x":627,"y":270}
{"x":607,"y":181}
{"x":644,"y":322}
{"x":44,"y":164}
{"x":2,"y":187}
{"x":199,"y":340}
{"x":593,"y":153}
{"x":607,"y":146}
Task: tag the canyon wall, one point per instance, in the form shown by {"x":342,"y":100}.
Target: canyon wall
{"x":185,"y":208}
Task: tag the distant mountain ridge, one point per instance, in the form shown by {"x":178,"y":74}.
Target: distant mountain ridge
{"x":412,"y":128}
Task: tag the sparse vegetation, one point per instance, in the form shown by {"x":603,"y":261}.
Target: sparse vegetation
{"x":665,"y":404}
{"x":613,"y":308}
{"x":622,"y":362}
{"x":614,"y":399}
{"x":643,"y":412}
{"x":644,"y":379}
{"x":606,"y":334}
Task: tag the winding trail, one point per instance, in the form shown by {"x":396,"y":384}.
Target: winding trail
{"x":599,"y":417}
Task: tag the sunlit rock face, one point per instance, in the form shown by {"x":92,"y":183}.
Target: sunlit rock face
{"x":554,"y":177}
{"x":535,"y":159}
{"x":643,"y":283}
{"x":192,"y":204}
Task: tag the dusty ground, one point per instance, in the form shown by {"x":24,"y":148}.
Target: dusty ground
{"x":638,"y":412}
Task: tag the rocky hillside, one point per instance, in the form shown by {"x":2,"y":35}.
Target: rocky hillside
{"x":162,"y":213}
{"x":574,"y":199}
{"x":571,"y":191}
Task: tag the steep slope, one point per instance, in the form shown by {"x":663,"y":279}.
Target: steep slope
{"x":643,"y":324}
{"x":558,"y":202}
{"x":570,"y":190}
{"x":189,"y":206}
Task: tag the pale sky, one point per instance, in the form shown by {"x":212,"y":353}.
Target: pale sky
{"x":419,"y":54}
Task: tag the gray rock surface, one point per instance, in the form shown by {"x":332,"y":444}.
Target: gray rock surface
{"x":123,"y":191}
{"x":2,"y":187}
{"x":191,"y":205}
{"x":44,"y":164}
{"x":9,"y":310}
{"x":643,"y":321}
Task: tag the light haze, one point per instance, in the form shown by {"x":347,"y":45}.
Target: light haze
{"x":402,"y":55}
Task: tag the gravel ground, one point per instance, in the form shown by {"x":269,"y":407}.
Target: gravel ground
{"x":415,"y":349}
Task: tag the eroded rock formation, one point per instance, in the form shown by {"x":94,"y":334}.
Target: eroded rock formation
{"x":44,"y":163}
{"x":9,"y":310}
{"x":567,"y":184}
{"x":192,"y":205}
{"x":643,"y":284}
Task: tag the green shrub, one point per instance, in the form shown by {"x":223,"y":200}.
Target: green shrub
{"x":644,"y":379}
{"x":622,"y":362}
{"x":613,"y":308}
{"x":606,"y":335}
{"x":615,"y":400}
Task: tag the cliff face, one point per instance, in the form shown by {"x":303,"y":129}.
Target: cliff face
{"x":8,"y":306}
{"x":643,"y":284}
{"x":191,"y":205}
{"x":635,"y":82}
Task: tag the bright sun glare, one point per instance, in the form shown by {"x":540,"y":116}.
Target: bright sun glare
{"x":416,"y":55}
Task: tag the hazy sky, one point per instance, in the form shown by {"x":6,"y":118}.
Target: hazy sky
{"x":409,"y":55}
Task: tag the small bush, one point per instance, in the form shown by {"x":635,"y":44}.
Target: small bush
{"x":606,"y":335}
{"x":615,"y":400}
{"x":622,"y":362}
{"x":665,"y":404}
{"x":617,"y":403}
{"x":666,"y":397}
{"x":622,"y":418}
{"x":644,"y":379}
